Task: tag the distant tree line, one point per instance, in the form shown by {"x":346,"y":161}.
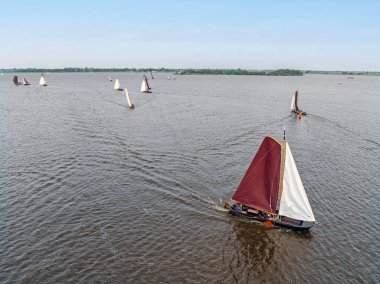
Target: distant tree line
{"x":88,"y":69}
{"x":190,"y":71}
{"x":369,"y":73}
{"x":278,"y":72}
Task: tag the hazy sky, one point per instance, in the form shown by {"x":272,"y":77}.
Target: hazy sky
{"x":328,"y":35}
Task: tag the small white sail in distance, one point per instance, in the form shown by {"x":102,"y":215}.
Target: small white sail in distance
{"x":109,"y":77}
{"x":43,"y":81}
{"x":117,"y":85}
{"x":144,"y":87}
{"x":292,"y":106}
{"x":26,"y":83}
{"x":128,"y":99}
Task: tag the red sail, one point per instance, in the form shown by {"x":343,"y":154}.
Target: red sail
{"x":296,"y":102}
{"x":259,"y":187}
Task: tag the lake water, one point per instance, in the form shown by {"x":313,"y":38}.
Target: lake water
{"x":91,"y":191}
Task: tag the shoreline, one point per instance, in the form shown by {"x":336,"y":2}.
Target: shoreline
{"x":190,"y":71}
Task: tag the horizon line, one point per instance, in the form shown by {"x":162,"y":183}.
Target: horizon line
{"x":176,"y":68}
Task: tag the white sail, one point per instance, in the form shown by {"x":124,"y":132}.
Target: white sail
{"x":294,"y":203}
{"x":128,"y":99}
{"x":43,"y":81}
{"x":117,"y":85}
{"x":109,"y":77}
{"x":144,"y":87}
{"x":292,"y":106}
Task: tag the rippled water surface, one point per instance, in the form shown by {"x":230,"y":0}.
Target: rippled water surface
{"x":91,"y":191}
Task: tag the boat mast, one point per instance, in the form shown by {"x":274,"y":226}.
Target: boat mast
{"x":282,"y":170}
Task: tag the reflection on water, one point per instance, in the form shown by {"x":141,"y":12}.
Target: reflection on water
{"x":259,"y":251}
{"x":93,"y":192}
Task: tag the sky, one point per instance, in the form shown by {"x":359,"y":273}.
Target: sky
{"x":247,"y":34}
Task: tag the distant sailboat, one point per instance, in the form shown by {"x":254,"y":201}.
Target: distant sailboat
{"x":26,"y":83}
{"x":109,"y":77}
{"x":15,"y":80}
{"x":294,"y":105}
{"x":271,"y":190}
{"x":145,"y":86}
{"x":151,"y":75}
{"x":130,"y":105}
{"x":171,"y":77}
{"x":117,"y":86}
{"x":42,"y":81}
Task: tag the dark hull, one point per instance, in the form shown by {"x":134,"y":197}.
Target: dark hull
{"x":290,"y":224}
{"x":297,"y":112}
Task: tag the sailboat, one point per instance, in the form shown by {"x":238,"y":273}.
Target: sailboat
{"x":271,"y":190}
{"x":151,"y":75}
{"x":130,"y":105}
{"x":117,"y":86}
{"x":145,"y":86}
{"x":15,"y":80}
{"x":294,"y":105}
{"x":42,"y":81}
{"x":24,"y":82}
{"x":109,"y":78}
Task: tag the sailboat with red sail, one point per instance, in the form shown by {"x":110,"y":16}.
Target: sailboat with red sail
{"x":294,"y":105}
{"x":271,"y":190}
{"x":16,"y":81}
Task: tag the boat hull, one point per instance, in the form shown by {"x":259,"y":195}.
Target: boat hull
{"x":298,"y":112}
{"x":288,"y":223}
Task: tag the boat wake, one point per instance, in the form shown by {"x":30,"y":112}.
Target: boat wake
{"x":352,"y":133}
{"x":218,"y":206}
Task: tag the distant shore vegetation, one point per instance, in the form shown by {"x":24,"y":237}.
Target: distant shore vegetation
{"x":190,"y":71}
{"x":278,"y":72}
